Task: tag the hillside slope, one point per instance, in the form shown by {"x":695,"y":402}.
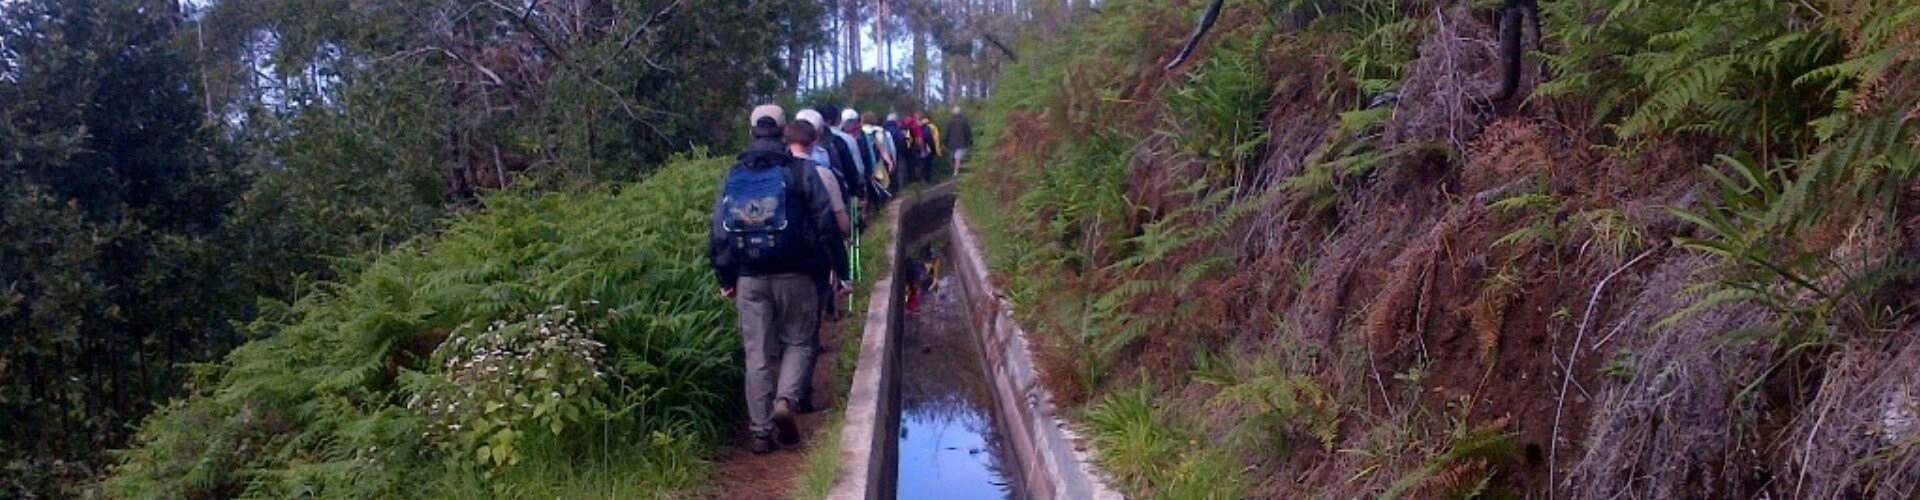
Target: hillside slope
{"x":1317,"y":261}
{"x":590,"y":318}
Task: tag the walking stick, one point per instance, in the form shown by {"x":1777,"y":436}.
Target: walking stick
{"x":853,"y":256}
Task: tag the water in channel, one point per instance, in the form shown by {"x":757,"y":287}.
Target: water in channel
{"x":950,"y":445}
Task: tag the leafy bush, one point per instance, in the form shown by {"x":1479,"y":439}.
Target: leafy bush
{"x":490,"y":387}
{"x":317,"y":406}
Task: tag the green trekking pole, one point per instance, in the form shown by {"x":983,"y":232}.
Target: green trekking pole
{"x":853,"y":256}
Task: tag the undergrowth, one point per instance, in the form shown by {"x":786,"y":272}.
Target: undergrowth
{"x":1120,"y":197}
{"x":318,"y":405}
{"x":1155,"y":455}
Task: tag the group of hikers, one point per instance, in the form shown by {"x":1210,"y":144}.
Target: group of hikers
{"x":785,"y":234}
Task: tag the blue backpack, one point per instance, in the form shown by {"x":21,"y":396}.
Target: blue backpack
{"x":761,"y":225}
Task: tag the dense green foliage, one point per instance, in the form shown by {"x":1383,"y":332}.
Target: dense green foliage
{"x":112,"y":197}
{"x":1816,"y":106}
{"x":319,"y":405}
{"x":1819,"y":104}
{"x":169,"y":164}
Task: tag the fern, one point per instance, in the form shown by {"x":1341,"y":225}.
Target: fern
{"x":1673,"y":67}
{"x":1538,"y":209}
{"x":315,"y":407}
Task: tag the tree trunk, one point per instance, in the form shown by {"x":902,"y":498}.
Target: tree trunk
{"x":920,"y":66}
{"x":880,"y":37}
{"x":853,"y":36}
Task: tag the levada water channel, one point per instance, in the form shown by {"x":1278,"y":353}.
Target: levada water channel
{"x":951,"y":443}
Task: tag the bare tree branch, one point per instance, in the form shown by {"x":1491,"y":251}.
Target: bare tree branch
{"x":1200,"y":31}
{"x":490,"y":74}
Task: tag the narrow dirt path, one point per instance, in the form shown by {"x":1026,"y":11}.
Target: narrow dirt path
{"x":742,"y":475}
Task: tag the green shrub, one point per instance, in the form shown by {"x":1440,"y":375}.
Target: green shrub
{"x":318,"y":405}
{"x":486,"y":389}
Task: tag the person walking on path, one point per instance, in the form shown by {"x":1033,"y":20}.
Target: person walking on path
{"x":842,"y":151}
{"x":916,"y":137}
{"x":901,"y":143}
{"x":931,"y":147}
{"x":830,"y":278}
{"x":959,"y":137}
{"x":889,"y":160}
{"x":771,"y":220}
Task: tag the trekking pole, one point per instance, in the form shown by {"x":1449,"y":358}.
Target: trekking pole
{"x":853,"y":256}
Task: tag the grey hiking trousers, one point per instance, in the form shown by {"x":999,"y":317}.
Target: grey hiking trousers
{"x":779,"y":316}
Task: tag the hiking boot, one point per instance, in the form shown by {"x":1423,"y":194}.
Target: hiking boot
{"x":808,"y":407}
{"x":788,"y":429}
{"x":762,"y":444}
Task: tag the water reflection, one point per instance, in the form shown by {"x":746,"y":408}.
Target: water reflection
{"x":949,"y":447}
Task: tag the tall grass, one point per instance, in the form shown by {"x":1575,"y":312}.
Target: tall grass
{"x":316,"y":407}
{"x":1156,"y":457}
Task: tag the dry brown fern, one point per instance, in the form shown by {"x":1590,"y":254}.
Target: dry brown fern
{"x":1508,"y":149}
{"x":1489,"y":311}
{"x":1466,"y":473}
{"x":1392,"y":313}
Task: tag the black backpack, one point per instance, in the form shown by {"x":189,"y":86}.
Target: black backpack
{"x":842,"y":155}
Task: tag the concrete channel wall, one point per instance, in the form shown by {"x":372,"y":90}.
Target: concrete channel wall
{"x":1048,"y":461}
{"x":1055,"y":465}
{"x":868,"y":450}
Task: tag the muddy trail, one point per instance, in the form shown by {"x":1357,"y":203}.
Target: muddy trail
{"x":740,"y":474}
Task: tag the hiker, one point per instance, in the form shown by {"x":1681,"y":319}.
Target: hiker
{"x":770,"y":221}
{"x":870,"y":125}
{"x":877,"y":195}
{"x":843,"y":150}
{"x":850,"y":125}
{"x":831,"y":277}
{"x":816,"y":149}
{"x":959,"y":137}
{"x":910,"y":128}
{"x":932,"y":148}
{"x":800,"y":137}
{"x":901,"y":143}
{"x":864,"y":149}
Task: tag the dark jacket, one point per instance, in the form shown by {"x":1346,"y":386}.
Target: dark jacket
{"x":843,"y":164}
{"x":959,"y":133}
{"x":910,"y":147}
{"x":814,"y":219}
{"x":835,"y":248}
{"x":867,"y":148}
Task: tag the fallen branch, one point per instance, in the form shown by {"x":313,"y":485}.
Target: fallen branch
{"x":1003,"y":47}
{"x":1512,"y":16}
{"x":1200,"y":31}
{"x":1586,"y":319}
